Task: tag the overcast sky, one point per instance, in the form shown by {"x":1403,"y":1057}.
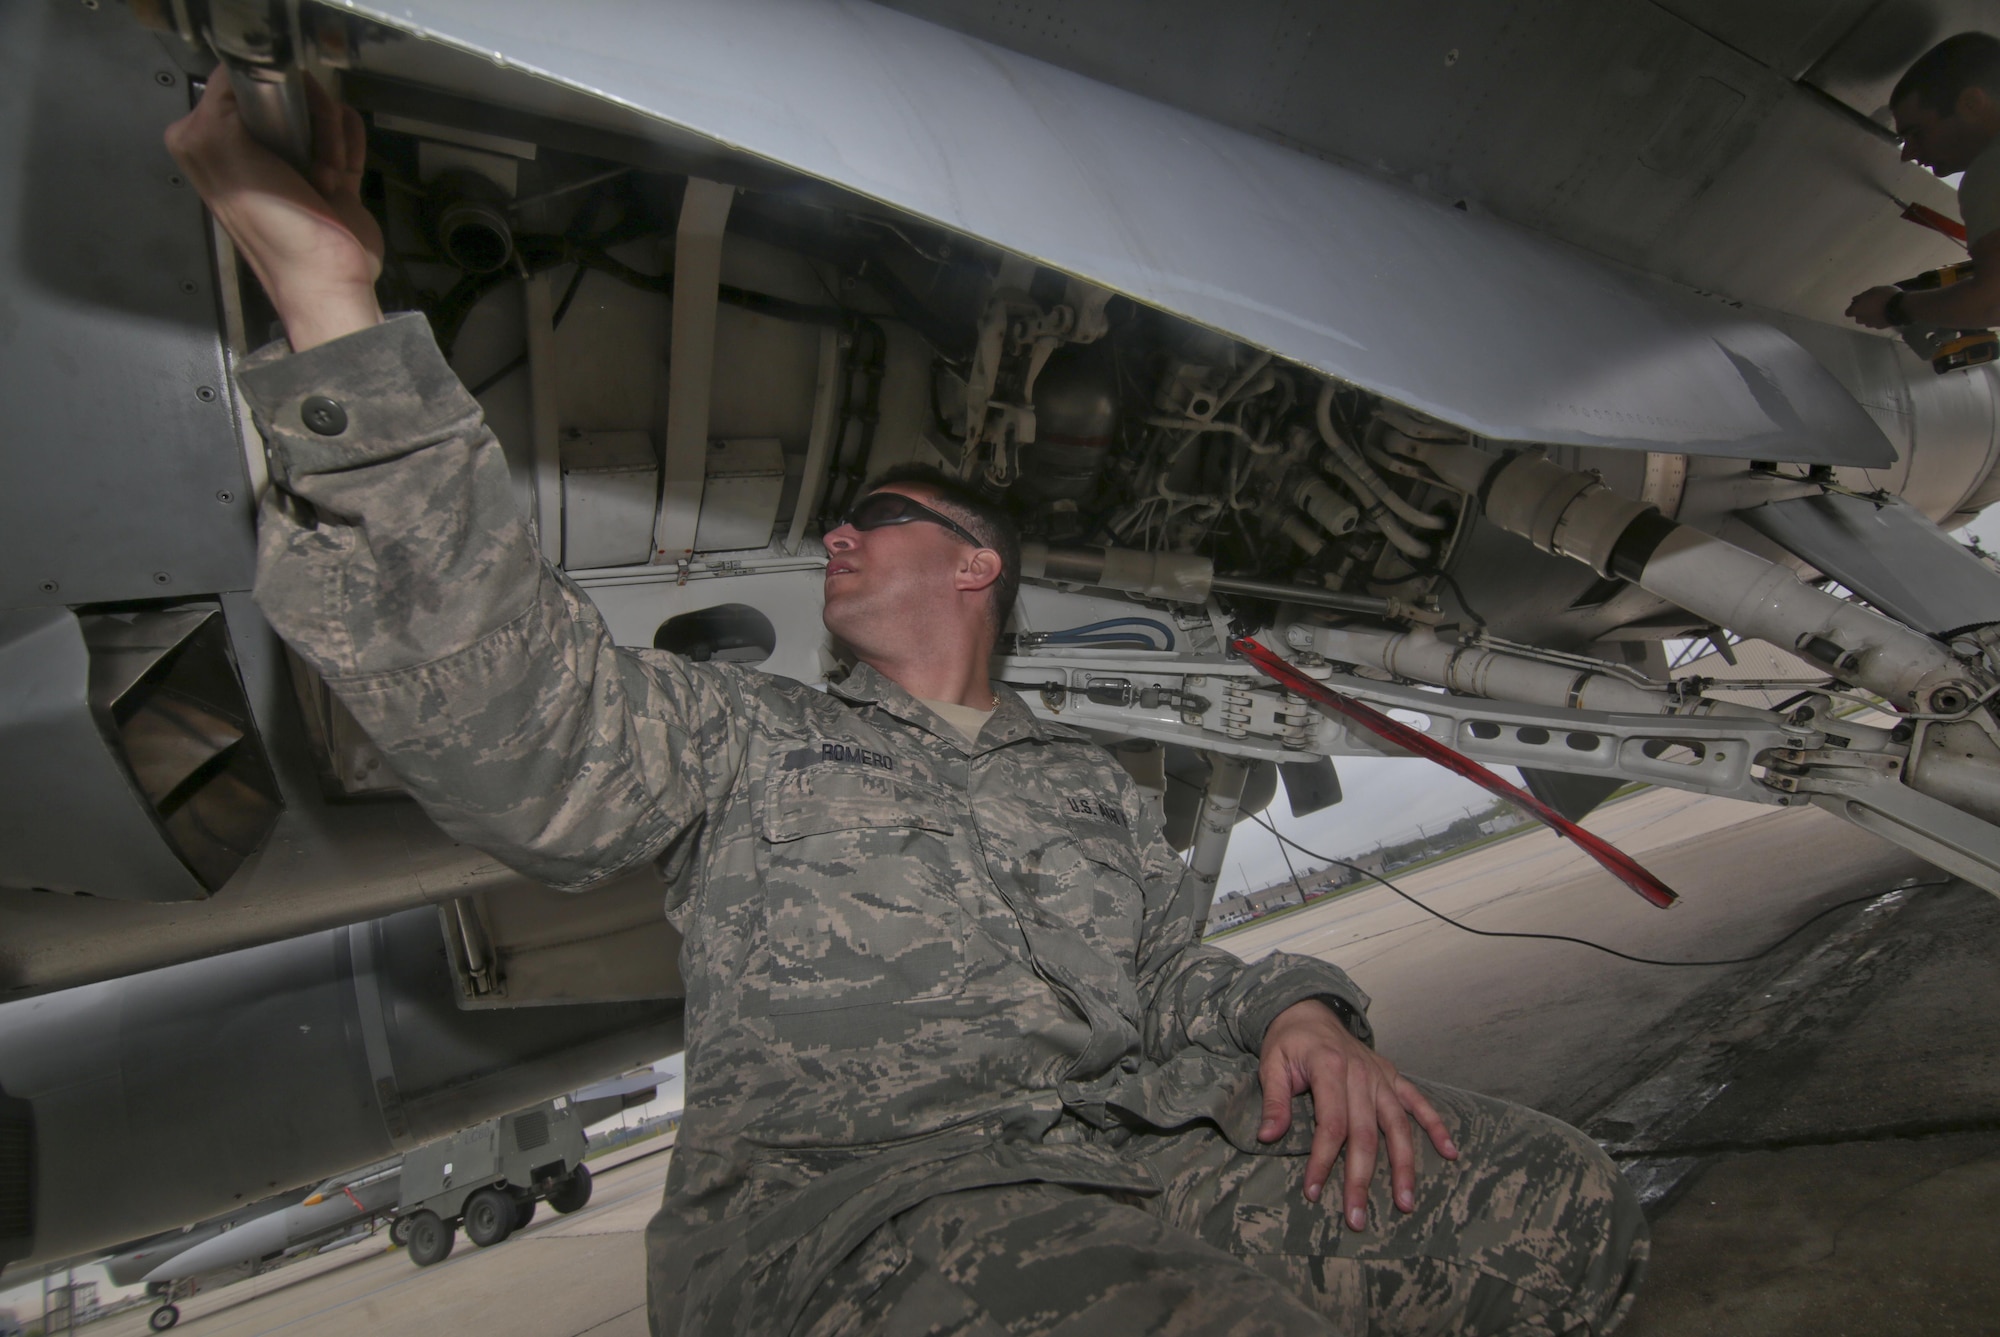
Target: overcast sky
{"x":1385,"y":800}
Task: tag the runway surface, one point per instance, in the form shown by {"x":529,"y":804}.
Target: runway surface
{"x":1550,"y":1024}
{"x":1826,"y":1119}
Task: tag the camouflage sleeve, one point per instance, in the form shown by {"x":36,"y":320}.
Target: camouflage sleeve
{"x":392,"y":558}
{"x":1195,"y":994}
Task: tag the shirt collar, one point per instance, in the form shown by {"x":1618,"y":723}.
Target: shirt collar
{"x":1012,"y":721}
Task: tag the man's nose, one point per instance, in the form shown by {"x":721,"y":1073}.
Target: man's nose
{"x":1909,"y":152}
{"x":841,"y":538}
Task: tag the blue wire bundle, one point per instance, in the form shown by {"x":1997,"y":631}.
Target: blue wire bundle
{"x":1100,"y":633}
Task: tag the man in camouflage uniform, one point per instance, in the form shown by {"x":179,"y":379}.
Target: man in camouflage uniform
{"x":956,"y":1060}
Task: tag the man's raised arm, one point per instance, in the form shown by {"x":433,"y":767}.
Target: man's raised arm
{"x":393,"y":560}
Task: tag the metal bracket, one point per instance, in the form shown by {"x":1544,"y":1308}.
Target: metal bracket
{"x":1225,"y":706}
{"x":1955,"y":841}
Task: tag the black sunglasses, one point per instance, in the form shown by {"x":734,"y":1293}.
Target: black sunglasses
{"x":893,"y":508}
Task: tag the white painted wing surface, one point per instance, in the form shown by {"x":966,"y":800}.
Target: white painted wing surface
{"x":1464,"y":317}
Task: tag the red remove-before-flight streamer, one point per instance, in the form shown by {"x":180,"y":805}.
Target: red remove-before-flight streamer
{"x":1616,"y":861}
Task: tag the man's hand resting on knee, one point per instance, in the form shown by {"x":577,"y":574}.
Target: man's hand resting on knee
{"x":1358,"y":1097}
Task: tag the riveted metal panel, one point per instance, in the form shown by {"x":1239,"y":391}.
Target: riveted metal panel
{"x":70,"y":820}
{"x":123,"y":465}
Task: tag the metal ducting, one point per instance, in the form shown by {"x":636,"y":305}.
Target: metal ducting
{"x":164,"y":689}
{"x":130,"y":766}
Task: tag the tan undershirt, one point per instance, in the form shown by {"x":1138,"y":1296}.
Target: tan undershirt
{"x":962,"y":718}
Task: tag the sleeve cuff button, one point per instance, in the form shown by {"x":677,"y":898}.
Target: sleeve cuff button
{"x":324,"y":415}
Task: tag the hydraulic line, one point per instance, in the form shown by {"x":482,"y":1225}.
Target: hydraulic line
{"x":1178,"y":578}
{"x":1380,"y":516}
{"x":1572,"y":514}
{"x":1281,"y":592}
{"x":1478,"y":670}
{"x":1385,"y":505}
{"x":1371,"y":485}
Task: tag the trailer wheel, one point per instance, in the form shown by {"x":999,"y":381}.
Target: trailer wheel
{"x":524,"y":1212}
{"x":399,"y":1232}
{"x":573,"y":1192}
{"x":489,"y":1217}
{"x":430,"y":1239}
{"x":163,"y":1318}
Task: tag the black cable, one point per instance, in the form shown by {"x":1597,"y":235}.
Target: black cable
{"x":1287,"y":855}
{"x":1584,"y":942}
{"x":1427,"y":572}
{"x":520,"y":360}
{"x":1463,"y":602}
{"x":569,"y":295}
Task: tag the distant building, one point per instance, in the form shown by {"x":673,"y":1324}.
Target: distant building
{"x":1230,"y":909}
{"x":1223,"y":919}
{"x":1274,"y":898}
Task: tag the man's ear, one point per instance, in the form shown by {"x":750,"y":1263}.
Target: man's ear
{"x":1975,"y":105}
{"x":978,"y":571}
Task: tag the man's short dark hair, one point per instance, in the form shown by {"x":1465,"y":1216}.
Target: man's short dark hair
{"x":978,"y":513}
{"x":1969,"y":60}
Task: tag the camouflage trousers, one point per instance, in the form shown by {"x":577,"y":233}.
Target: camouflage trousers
{"x":1531,"y":1231}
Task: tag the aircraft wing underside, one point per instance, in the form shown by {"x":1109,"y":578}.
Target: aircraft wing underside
{"x":1465,"y":317}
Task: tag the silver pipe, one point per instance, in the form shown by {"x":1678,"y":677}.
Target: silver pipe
{"x":1359,"y":474}
{"x":1301,"y":594}
{"x":1479,"y":670}
{"x":1178,"y":578}
{"x":1575,"y":515}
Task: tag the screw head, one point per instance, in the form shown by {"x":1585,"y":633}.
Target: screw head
{"x":164,"y":78}
{"x":176,"y":180}
{"x":225,"y":496}
{"x":190,"y":287}
{"x":50,"y":587}
{"x":162,"y":578}
{"x":205,"y":393}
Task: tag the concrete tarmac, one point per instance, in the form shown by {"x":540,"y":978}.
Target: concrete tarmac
{"x":1823,"y":1122}
{"x":1554,"y":1025}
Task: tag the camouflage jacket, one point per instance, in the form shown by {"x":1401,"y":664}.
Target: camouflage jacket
{"x":913,"y":965}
